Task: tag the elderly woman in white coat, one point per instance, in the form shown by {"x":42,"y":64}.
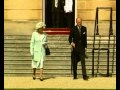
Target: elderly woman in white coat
{"x":37,"y":49}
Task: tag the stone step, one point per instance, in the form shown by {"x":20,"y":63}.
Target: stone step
{"x":17,"y":58}
{"x":52,"y":44}
{"x":24,"y":41}
{"x":57,"y":63}
{"x":53,"y":75}
{"x":61,"y":63}
{"x":59,"y":72}
{"x":52,"y":60}
{"x":62,"y":68}
{"x":56,"y":48}
{"x":68,"y":47}
{"x":57,"y":67}
{"x":56,"y":37}
{"x":56,"y":60}
{"x":53,"y":50}
{"x":56,"y":57}
{"x":46,"y":74}
{"x":56,"y":54}
{"x":62,"y":60}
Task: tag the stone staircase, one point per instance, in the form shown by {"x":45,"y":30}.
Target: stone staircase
{"x":17,"y":58}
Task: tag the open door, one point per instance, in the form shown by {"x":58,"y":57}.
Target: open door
{"x":56,"y":17}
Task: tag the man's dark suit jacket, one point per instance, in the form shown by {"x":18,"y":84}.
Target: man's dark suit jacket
{"x":78,"y":39}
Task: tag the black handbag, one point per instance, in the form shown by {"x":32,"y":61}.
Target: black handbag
{"x":47,"y":50}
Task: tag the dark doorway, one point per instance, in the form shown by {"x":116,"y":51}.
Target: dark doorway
{"x":56,"y":18}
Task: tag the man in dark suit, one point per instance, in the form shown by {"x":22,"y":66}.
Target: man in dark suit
{"x":57,"y":13}
{"x":78,"y":41}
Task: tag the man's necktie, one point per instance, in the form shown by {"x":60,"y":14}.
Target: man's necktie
{"x":80,"y":30}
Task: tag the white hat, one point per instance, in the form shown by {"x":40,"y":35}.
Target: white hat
{"x":40,"y":25}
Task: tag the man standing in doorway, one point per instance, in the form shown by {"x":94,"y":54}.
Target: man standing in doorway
{"x":55,"y":13}
{"x":58,"y":13}
{"x":78,"y":41}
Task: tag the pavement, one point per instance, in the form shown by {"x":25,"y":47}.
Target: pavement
{"x":60,"y":83}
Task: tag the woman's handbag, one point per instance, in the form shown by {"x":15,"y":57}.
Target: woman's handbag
{"x":47,"y":50}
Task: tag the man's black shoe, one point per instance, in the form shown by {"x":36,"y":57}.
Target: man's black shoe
{"x":75,"y":78}
{"x":41,"y":79}
{"x":86,"y":77}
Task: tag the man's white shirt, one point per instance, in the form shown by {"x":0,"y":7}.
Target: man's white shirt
{"x":68,"y":6}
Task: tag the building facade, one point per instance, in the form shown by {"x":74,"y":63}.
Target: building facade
{"x":20,"y":16}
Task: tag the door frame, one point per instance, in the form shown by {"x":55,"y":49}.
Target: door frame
{"x":43,"y":12}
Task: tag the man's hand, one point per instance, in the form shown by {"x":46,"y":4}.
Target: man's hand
{"x":73,"y":44}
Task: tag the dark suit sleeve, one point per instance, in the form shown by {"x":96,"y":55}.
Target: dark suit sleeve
{"x":71,"y":36}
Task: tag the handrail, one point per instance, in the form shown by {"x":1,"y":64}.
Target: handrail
{"x":98,"y":56}
{"x":113,"y":55}
{"x":96,"y":32}
{"x":93,"y":60}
